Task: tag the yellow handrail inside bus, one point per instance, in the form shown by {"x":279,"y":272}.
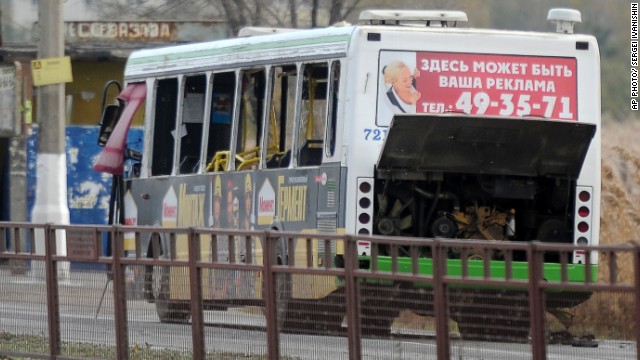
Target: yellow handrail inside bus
{"x":219,"y":161}
{"x":273,"y":130}
{"x":312,"y":95}
{"x":245,"y":160}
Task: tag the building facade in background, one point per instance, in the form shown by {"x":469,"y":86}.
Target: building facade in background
{"x":98,"y":49}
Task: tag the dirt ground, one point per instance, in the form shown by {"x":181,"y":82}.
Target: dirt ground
{"x":609,"y":315}
{"x":606,"y":314}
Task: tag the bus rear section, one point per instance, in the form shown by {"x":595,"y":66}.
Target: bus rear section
{"x":483,"y":135}
{"x":468,"y":177}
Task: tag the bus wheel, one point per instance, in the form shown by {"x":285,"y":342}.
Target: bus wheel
{"x":168,"y":311}
{"x":283,"y":287}
{"x":330,"y":312}
{"x":493,"y":316}
{"x":378,"y":310}
{"x":322,"y":316}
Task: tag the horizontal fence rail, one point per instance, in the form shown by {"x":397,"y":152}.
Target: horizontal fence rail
{"x":195,"y":292}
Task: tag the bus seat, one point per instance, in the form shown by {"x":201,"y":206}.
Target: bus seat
{"x":279,"y":160}
{"x":274,"y":160}
{"x":189,"y":164}
{"x":219,"y":161}
{"x":310,"y":153}
{"x":247,"y":163}
{"x":248,"y":159}
{"x":285,"y":159}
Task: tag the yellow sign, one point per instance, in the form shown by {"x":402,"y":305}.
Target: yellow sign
{"x":51,"y":71}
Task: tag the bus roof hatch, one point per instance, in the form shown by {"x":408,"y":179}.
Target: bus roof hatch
{"x":420,"y":144}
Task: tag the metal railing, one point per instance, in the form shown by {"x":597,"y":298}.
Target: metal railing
{"x":292,"y":284}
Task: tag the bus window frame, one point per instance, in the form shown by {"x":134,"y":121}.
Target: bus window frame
{"x":231,"y":166}
{"x":177,"y":137}
{"x":259,"y":117}
{"x":149,"y":129}
{"x":266,"y":116}
{"x":284,"y":114}
{"x":213,"y":86}
{"x":296,"y":114}
{"x":152,"y":125}
{"x":204,"y":141}
{"x":331,"y":126}
{"x":147,"y":153}
{"x":333,"y":101}
{"x":300,"y":145}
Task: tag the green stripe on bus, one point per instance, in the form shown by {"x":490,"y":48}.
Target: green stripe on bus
{"x":475,"y":268}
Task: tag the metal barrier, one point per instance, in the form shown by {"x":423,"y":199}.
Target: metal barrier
{"x":203,"y":293}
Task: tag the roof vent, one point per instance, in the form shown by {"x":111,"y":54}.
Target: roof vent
{"x":435,"y":18}
{"x":565,"y":19}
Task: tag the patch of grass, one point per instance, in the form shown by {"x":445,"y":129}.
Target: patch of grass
{"x":40,"y":344}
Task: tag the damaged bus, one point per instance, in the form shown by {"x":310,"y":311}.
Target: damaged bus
{"x":406,"y":124}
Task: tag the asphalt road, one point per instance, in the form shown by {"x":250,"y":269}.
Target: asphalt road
{"x":85,"y":319}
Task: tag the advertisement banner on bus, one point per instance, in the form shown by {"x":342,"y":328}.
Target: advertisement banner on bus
{"x":476,"y":84}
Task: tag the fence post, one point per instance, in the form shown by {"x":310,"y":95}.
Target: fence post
{"x":271,"y":308}
{"x":119,"y":295}
{"x":440,"y":306}
{"x":53,"y":304}
{"x":352,"y":301}
{"x":536,"y":304}
{"x":195,"y":288}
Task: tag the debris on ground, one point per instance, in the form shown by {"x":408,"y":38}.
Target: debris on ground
{"x":564,"y":337}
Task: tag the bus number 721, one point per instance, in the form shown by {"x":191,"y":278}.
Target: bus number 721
{"x":375,"y":134}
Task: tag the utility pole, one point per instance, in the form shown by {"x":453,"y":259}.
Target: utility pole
{"x":51,"y":172}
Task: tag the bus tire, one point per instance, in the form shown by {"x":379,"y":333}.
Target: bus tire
{"x":378,"y":310}
{"x":330,"y":312}
{"x":490,"y":316}
{"x":321,"y":316}
{"x":283,"y":288}
{"x":174,"y":312}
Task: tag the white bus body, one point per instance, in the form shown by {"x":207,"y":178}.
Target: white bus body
{"x":495,"y":135}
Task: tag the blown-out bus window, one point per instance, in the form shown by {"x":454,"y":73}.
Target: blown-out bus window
{"x":222,"y":103}
{"x":166,"y":97}
{"x":250,"y":119}
{"x":313,"y":114}
{"x":281,"y":116}
{"x":192,"y":122}
{"x":332,"y":108}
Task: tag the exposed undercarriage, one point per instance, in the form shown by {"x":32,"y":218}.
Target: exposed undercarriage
{"x":467,"y":206}
{"x":465,"y":177}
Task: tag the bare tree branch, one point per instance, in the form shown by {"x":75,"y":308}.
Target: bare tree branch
{"x":349,"y":10}
{"x":293,"y":13}
{"x":335,"y":12}
{"x":237,"y":13}
{"x":234,"y":14}
{"x":314,"y":13}
{"x":278,"y":20}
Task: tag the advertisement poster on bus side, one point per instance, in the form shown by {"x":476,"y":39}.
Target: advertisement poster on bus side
{"x":476,"y":84}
